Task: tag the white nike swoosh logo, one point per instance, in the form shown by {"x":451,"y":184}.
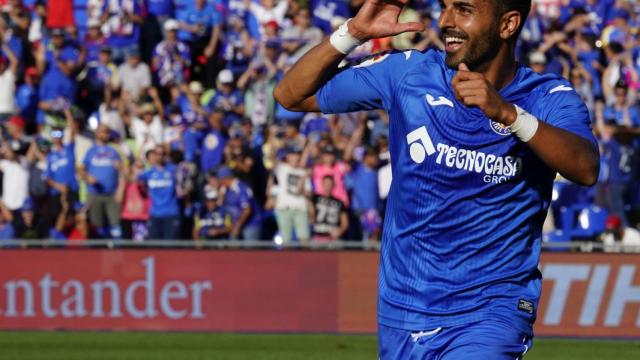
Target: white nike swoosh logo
{"x":441,"y":101}
{"x":560,"y":88}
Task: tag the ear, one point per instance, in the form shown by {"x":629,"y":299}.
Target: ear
{"x":509,"y":24}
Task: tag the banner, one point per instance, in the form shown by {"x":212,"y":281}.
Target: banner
{"x":594,"y":295}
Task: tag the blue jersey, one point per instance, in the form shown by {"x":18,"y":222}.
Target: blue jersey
{"x":27,"y":101}
{"x":55,"y":84}
{"x":165,"y":8}
{"x":61,"y":168}
{"x":325,"y":10}
{"x":101,"y":162}
{"x":238,"y":197}
{"x":462,"y":234}
{"x":205,"y":18}
{"x":611,"y":113}
{"x":211,"y":219}
{"x":364,"y":183}
{"x":234,"y":98}
{"x":161,"y":183}
{"x":212,"y":153}
{"x":619,"y":159}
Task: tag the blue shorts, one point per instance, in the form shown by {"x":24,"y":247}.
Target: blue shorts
{"x":484,"y":340}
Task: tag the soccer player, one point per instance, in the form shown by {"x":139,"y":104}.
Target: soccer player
{"x":475,"y":140}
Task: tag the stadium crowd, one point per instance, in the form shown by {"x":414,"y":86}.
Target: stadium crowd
{"x":154,"y":119}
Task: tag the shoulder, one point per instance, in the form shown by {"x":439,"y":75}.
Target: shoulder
{"x":145,"y":174}
{"x":546,"y":93}
{"x":161,"y":47}
{"x":406,"y":59}
{"x":113,"y":151}
{"x":543,"y":85}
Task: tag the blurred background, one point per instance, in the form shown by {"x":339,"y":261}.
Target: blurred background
{"x":100,"y":91}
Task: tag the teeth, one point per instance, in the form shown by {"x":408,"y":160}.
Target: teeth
{"x":454,"y":39}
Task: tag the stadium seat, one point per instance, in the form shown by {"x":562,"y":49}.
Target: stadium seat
{"x":557,"y":236}
{"x":583,"y":221}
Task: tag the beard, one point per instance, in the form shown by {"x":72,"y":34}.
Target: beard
{"x":477,"y":51}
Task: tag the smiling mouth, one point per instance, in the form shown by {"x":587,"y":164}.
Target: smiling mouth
{"x":453,"y":43}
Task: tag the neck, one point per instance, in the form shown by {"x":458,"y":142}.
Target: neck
{"x":500,"y":70}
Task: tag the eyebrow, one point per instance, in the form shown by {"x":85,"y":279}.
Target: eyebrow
{"x":462,"y":3}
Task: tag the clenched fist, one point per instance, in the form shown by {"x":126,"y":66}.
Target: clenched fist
{"x":473,"y":89}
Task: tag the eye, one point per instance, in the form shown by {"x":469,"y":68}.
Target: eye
{"x":466,"y":10}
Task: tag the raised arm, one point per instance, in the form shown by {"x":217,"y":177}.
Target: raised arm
{"x":376,"y":19}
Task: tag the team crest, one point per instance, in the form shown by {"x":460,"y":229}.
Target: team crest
{"x":211,"y":141}
{"x":499,"y":128}
{"x":373,"y":59}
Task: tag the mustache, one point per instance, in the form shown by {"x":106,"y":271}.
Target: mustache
{"x":453,"y":33}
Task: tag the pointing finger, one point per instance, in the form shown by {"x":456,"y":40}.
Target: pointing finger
{"x":470,"y":84}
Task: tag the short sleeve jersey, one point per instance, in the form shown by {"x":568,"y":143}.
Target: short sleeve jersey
{"x":462,"y":234}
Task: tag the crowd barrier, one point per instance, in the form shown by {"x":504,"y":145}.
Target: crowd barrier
{"x":584,"y":295}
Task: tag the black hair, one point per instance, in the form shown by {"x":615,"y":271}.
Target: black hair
{"x":616,"y":48}
{"x":329,"y":177}
{"x":521,"y":6}
{"x":622,"y":84}
{"x":176,"y":156}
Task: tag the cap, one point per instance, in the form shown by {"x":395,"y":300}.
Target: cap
{"x":293,"y":149}
{"x":69,"y":54}
{"x":613,"y":222}
{"x":225,"y":76}
{"x":537,"y":57}
{"x":93,"y":22}
{"x":78,"y":206}
{"x":234,"y":18}
{"x":196,"y":87}
{"x":56,"y":133}
{"x":31,"y":71}
{"x":271,"y":23}
{"x":171,"y":25}
{"x":219,"y":109}
{"x":17,"y":120}
{"x":211,"y":194}
{"x":235,"y":132}
{"x":133,"y":52}
{"x":224,"y":172}
{"x":622,"y":14}
{"x":28,"y":205}
{"x":57,"y":32}
{"x":147,"y":108}
{"x":329,"y":149}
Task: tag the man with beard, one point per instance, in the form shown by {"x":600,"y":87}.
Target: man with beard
{"x":475,"y":140}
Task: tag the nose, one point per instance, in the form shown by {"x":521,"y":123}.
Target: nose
{"x":446,"y":19}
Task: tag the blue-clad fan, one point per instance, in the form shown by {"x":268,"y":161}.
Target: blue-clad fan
{"x":160,"y":182}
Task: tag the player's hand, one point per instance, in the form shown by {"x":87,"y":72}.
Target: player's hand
{"x":379,"y":19}
{"x":473,"y":89}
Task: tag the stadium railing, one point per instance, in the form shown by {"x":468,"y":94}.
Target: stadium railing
{"x":573,"y":246}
